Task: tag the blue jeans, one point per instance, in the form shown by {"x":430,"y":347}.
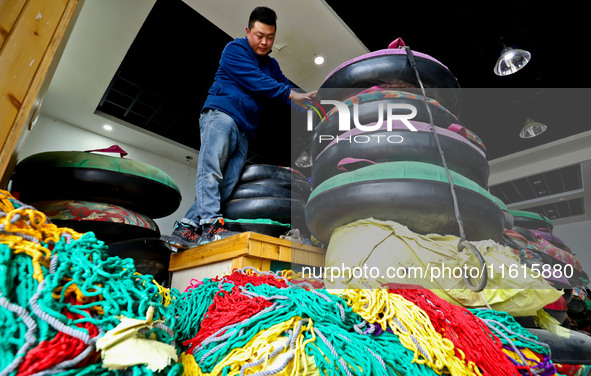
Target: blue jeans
{"x":221,"y":159}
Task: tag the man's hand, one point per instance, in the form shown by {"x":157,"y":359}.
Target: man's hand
{"x":301,"y":98}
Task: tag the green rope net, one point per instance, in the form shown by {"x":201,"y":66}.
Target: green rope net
{"x":60,"y":292}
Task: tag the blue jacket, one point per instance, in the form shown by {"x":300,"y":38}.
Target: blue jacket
{"x":244,"y":83}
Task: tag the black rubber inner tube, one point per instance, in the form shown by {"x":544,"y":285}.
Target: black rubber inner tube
{"x":139,"y":194}
{"x":300,"y":189}
{"x":531,"y":220}
{"x":271,"y":229}
{"x":266,"y":171}
{"x":526,"y":233}
{"x":150,"y":255}
{"x":368,"y":111}
{"x":108,"y":232}
{"x":283,"y":210}
{"x":110,"y":223}
{"x":572,"y":349}
{"x":576,"y":305}
{"x":390,"y":68}
{"x":508,"y":220}
{"x":423,"y":206}
{"x":253,"y":190}
{"x":404,"y":145}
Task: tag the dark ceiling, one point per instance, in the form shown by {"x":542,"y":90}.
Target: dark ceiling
{"x":163,"y":81}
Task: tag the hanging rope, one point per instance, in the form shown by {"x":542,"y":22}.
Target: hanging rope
{"x":462,"y":244}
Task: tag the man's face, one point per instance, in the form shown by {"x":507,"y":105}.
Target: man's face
{"x":261,"y":37}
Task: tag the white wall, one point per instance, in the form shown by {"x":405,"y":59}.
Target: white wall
{"x":50,"y":134}
{"x":576,"y":237}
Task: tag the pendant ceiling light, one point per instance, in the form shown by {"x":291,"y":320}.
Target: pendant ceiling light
{"x":510,"y":61}
{"x":532,"y":129}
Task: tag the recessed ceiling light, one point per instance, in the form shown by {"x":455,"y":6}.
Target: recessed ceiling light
{"x":318,"y":60}
{"x":108,"y":127}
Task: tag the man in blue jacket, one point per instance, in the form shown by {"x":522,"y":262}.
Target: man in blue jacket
{"x":246,"y":80}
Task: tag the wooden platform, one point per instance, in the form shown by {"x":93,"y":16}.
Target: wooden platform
{"x":238,"y":251}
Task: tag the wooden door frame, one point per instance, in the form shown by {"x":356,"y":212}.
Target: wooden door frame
{"x":33,"y":35}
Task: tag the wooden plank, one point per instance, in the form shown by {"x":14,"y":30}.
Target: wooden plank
{"x":255,"y":248}
{"x":265,"y":265}
{"x":286,"y":243}
{"x":243,"y":249}
{"x":245,"y":261}
{"x":237,"y":262}
{"x":27,"y":62}
{"x":270,"y":251}
{"x":300,"y":257}
{"x":286,"y":253}
{"x":9,"y":12}
{"x":34,"y":29}
{"x":224,"y":249}
{"x":316,"y":259}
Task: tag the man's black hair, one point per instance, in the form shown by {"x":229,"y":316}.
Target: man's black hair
{"x":264,"y":15}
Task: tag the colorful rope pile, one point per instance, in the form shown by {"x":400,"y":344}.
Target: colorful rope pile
{"x":311,"y":327}
{"x":263,"y":323}
{"x":62,"y":298}
{"x":525,"y":351}
{"x":472,"y":339}
{"x":60,"y":292}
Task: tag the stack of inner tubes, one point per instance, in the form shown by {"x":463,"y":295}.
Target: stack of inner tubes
{"x":389,"y":169}
{"x":555,"y":254}
{"x":114,"y":197}
{"x":268,"y":192}
{"x":539,"y":230}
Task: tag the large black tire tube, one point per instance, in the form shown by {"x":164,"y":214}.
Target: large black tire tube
{"x":284,"y":210}
{"x":391,"y":68}
{"x":526,"y":233}
{"x":150,"y":256}
{"x":531,"y":220}
{"x":368,"y":106}
{"x":73,"y":175}
{"x":253,"y":190}
{"x":423,"y":205}
{"x":571,"y":348}
{"x":270,"y":229}
{"x":110,"y":223}
{"x":403,"y":145}
{"x":266,"y":171}
{"x":299,"y":188}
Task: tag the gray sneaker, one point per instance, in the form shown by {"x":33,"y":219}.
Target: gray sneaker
{"x":184,"y":236}
{"x":216,"y":231}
